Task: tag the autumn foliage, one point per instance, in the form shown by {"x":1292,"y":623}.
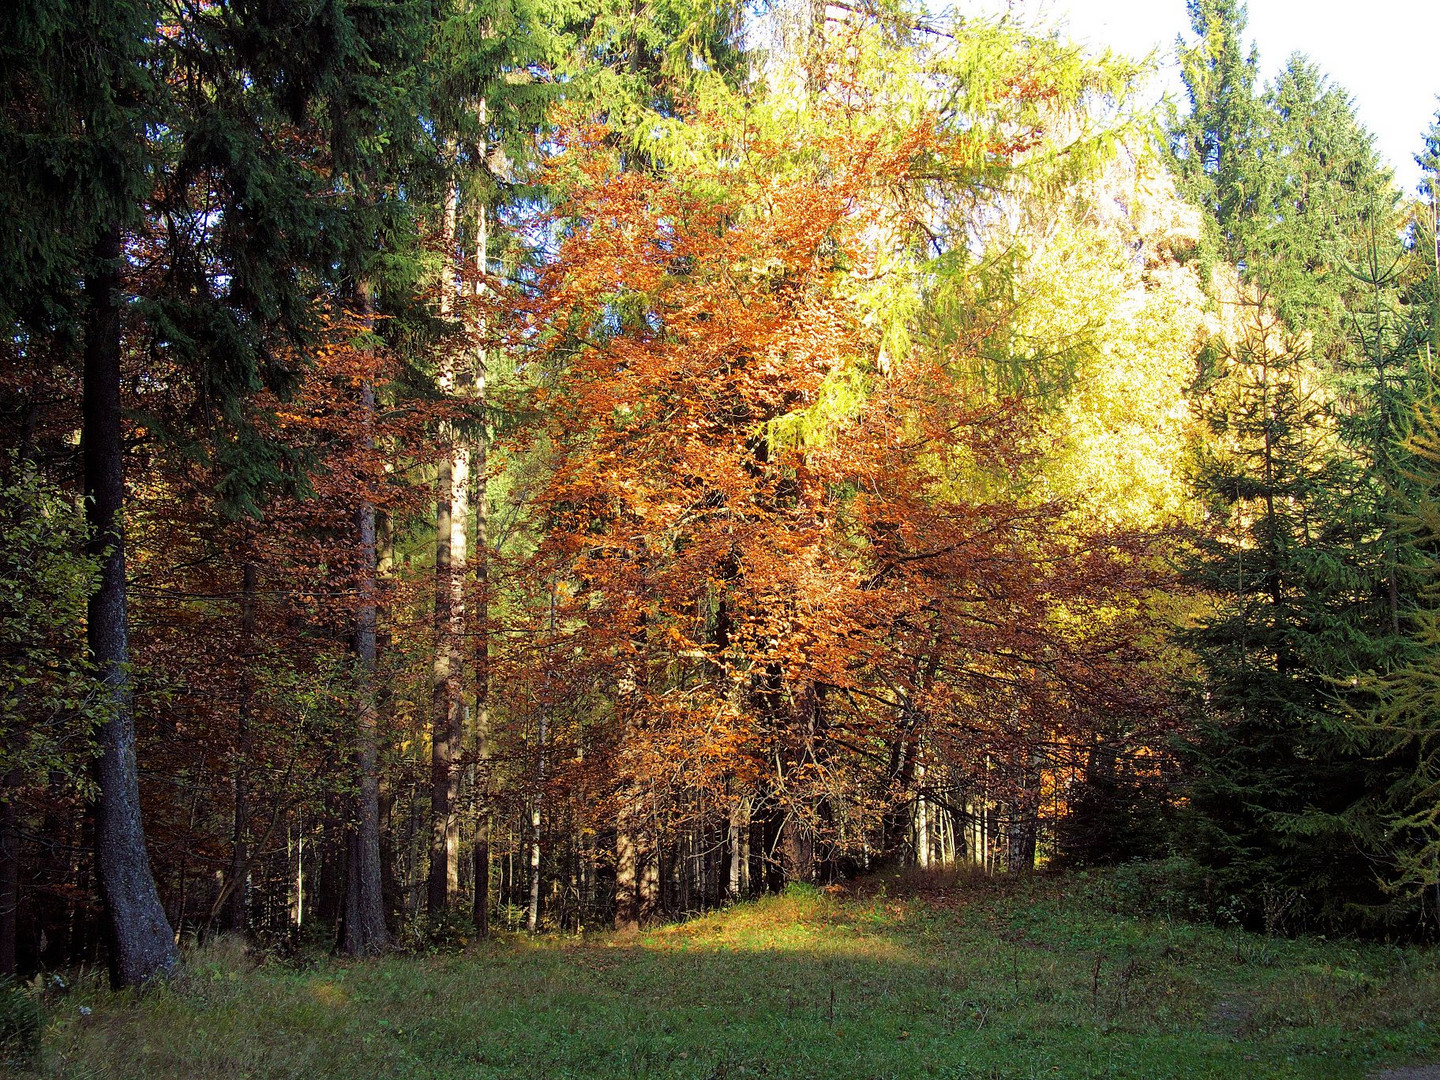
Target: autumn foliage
{"x":803,"y":573}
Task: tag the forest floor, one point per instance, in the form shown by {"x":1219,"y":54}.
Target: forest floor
{"x":896,"y":978}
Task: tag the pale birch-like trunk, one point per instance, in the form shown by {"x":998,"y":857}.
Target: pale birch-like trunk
{"x":451,"y":515}
{"x":480,"y":476}
{"x":739,"y":843}
{"x":922,"y":822}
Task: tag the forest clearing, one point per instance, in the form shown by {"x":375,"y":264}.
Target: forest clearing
{"x":670,"y":538}
{"x":925,"y":977}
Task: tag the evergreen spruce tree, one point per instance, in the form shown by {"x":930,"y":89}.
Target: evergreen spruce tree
{"x":77,"y":91}
{"x":1214,"y":145}
{"x":1325,"y":204}
{"x":253,"y":150}
{"x":1271,"y":779}
{"x":1301,"y":475}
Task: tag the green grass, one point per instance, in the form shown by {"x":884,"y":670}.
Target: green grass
{"x":959,"y":981}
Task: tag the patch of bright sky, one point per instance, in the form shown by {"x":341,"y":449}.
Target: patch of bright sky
{"x":1381,"y":52}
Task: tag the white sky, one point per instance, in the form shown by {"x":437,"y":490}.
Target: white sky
{"x":1384,"y":53}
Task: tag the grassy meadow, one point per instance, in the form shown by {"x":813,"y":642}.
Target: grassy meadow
{"x":899,"y":978}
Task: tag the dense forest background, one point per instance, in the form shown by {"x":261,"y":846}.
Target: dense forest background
{"x":562,"y":463}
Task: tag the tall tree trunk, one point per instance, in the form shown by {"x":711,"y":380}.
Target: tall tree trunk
{"x":142,"y":945}
{"x":480,"y":857}
{"x":797,"y":849}
{"x":385,"y":706}
{"x":627,"y":867}
{"x":480,"y":479}
{"x":922,"y":822}
{"x":365,"y":932}
{"x":649,"y":858}
{"x":739,"y":842}
{"x":533,"y":916}
{"x":9,"y":871}
{"x":447,"y":713}
{"x":237,"y":906}
{"x":442,"y":700}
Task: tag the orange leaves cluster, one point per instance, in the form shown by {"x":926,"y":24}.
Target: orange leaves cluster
{"x":772,"y":618}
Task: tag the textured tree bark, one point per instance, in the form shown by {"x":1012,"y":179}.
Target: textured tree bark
{"x":365,"y":933}
{"x":649,"y":859}
{"x":627,"y":868}
{"x":797,"y":849}
{"x":532,"y":910}
{"x":480,"y":911}
{"x":394,"y":896}
{"x":442,"y":703}
{"x":142,"y":945}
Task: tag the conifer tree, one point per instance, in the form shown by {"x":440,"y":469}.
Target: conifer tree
{"x":78,"y":92}
{"x":205,"y":138}
{"x":1214,"y":145}
{"x":1271,"y":778}
{"x":1302,"y":419}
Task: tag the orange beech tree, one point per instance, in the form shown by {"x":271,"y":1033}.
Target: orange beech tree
{"x":806,"y":574}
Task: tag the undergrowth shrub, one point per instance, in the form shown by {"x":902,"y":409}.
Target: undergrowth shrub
{"x":20,"y":1023}
{"x":1172,"y":888}
{"x":444,"y":933}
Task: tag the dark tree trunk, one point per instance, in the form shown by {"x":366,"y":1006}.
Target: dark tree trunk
{"x":142,"y":945}
{"x":9,"y":872}
{"x":237,"y":905}
{"x":1027,"y":822}
{"x":365,"y":933}
{"x":797,"y":849}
